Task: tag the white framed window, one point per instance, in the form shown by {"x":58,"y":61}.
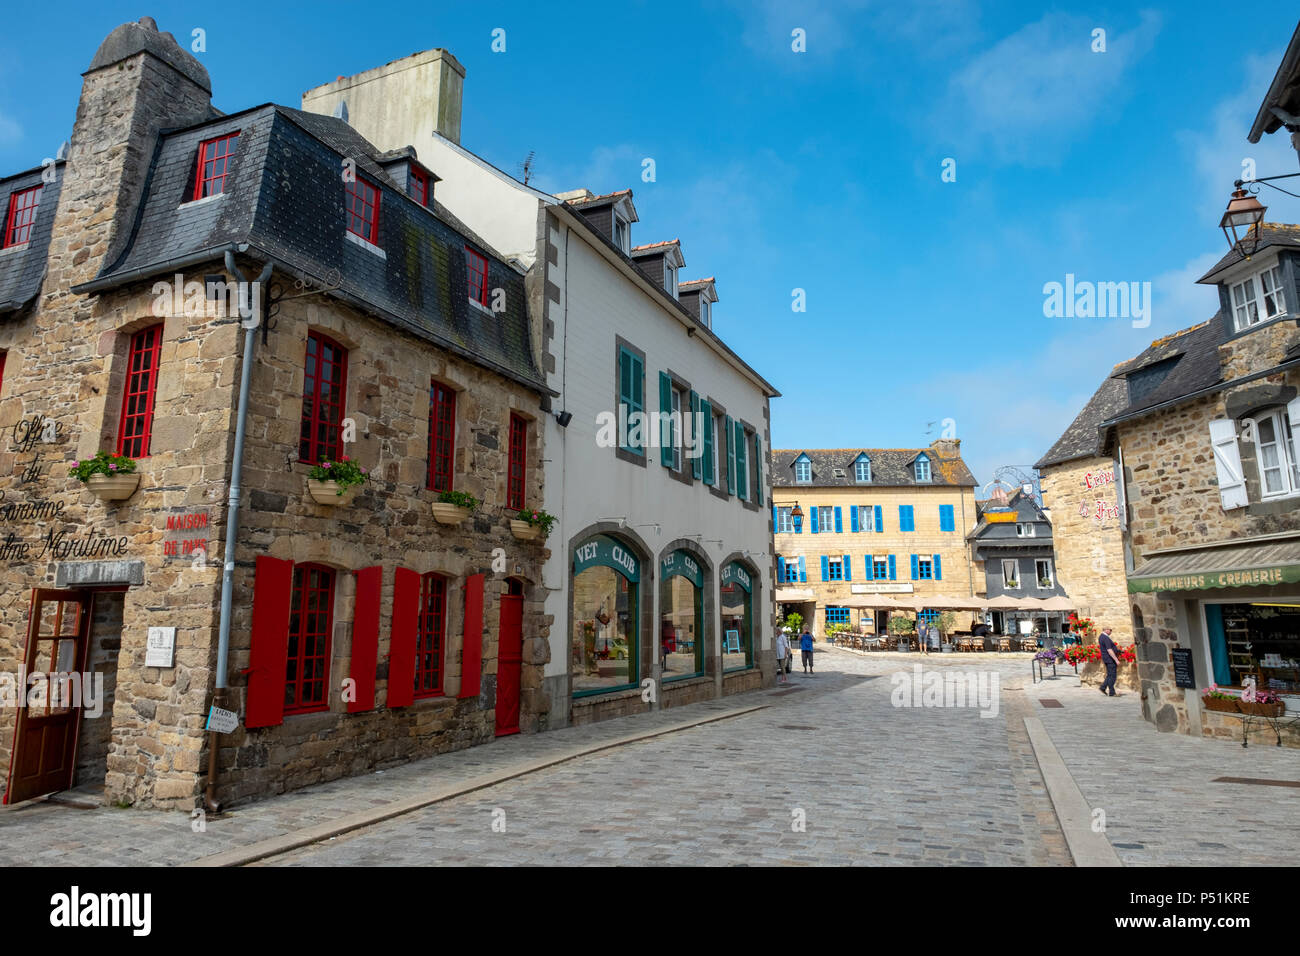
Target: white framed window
{"x":1043,"y":572}
{"x":866,"y":518}
{"x":862,"y":469}
{"x":1010,"y":573}
{"x":622,"y":234}
{"x":784,"y":521}
{"x":1025,"y":530}
{"x":706,"y":315}
{"x":670,"y":278}
{"x":1279,"y":473}
{"x":1258,"y":298}
{"x":826,"y":519}
{"x":802,"y":471}
{"x":922,"y":469}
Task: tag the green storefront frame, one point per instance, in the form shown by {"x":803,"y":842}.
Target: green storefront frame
{"x":604,"y":551}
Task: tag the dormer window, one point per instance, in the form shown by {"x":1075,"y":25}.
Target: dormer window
{"x":1258,"y":298}
{"x":214,"y":164}
{"x":670,"y":278}
{"x":362,"y":204}
{"x":477,"y":268}
{"x":802,"y":470}
{"x":706,"y":315}
{"x":622,"y":234}
{"x":862,"y":469}
{"x":21,"y":216}
{"x":417,"y":186}
{"x":922,"y":468}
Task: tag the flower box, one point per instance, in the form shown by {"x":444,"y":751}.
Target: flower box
{"x":523,"y":531}
{"x":1223,"y":705}
{"x":444,"y":512}
{"x":113,"y":487}
{"x":325,"y":492}
{"x":1275,"y":709}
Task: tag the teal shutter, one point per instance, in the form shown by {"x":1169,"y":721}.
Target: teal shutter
{"x":706,"y":409}
{"x":893,"y":571}
{"x":731,"y":455}
{"x":938,"y":573}
{"x":812,"y":519}
{"x":839,"y":521}
{"x":853,"y":517}
{"x":697,"y":460}
{"x":803,"y":571}
{"x":880,"y":519}
{"x":916,"y":570}
{"x":848,"y":569}
{"x":780,"y":570}
{"x":826,"y":568}
{"x":665,"y":421}
{"x":871,"y":569}
{"x":742,"y":471}
{"x":758,"y":471}
{"x":638,"y":401}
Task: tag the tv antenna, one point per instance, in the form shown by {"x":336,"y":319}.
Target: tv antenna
{"x":526,"y":167}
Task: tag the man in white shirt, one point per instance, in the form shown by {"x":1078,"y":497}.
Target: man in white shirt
{"x":782,"y":652}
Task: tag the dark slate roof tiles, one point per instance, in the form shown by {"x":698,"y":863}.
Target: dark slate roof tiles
{"x":22,"y":268}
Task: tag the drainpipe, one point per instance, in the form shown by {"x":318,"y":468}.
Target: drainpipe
{"x":219,"y":696}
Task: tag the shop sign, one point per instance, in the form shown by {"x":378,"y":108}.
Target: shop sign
{"x":684,"y":564}
{"x":1093,"y":479}
{"x":1280,"y":574}
{"x":736,"y":573}
{"x":882,"y":587}
{"x":1184,"y":675}
{"x":160,"y":648}
{"x":608,"y":553}
{"x":193,"y":526}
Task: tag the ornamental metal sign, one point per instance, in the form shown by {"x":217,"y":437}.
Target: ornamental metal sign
{"x":682,"y":563}
{"x":606,"y":552}
{"x":736,"y":574}
{"x":1279,"y":574}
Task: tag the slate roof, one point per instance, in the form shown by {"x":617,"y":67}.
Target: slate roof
{"x":285,"y":197}
{"x":1026,"y":509}
{"x":22,"y":268}
{"x":1270,"y":234}
{"x":890,"y":467}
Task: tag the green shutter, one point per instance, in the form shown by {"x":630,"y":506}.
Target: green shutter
{"x":742,"y":471}
{"x":696,"y":459}
{"x":730,"y":428}
{"x":665,"y":421}
{"x":706,"y":416}
{"x":758,"y":471}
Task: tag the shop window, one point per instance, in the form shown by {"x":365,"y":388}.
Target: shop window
{"x":431,"y":636}
{"x":1259,"y":639}
{"x":442,"y":436}
{"x":837,"y":615}
{"x":518,"y":463}
{"x":681,"y":623}
{"x":605,"y":644}
{"x":311,"y":619}
{"x":737,"y":618}
{"x":324,"y":380}
{"x":362,"y":206}
{"x":477,"y":268}
{"x":21,"y":216}
{"x":138,"y":393}
{"x":214,"y":166}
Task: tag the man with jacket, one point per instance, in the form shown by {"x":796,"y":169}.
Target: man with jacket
{"x":1110,"y":658}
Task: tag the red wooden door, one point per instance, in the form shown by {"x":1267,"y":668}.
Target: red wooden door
{"x":45,"y":738}
{"x":510,"y":660}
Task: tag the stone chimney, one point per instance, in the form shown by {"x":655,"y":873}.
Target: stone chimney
{"x":400,"y":103}
{"x":947,"y":448}
{"x":140,"y":81}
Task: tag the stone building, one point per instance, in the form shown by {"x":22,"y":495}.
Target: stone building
{"x":875,"y":522}
{"x":362,"y":633}
{"x":658,"y":583}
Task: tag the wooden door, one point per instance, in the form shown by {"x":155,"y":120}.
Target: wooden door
{"x":45,"y":739}
{"x":510,"y":660}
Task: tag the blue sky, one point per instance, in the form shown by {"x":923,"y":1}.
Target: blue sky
{"x":819,"y":170}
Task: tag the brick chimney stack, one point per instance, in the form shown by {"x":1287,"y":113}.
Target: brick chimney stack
{"x":140,"y":81}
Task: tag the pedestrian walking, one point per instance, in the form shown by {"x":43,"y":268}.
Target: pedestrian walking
{"x":805,"y":645}
{"x":782,"y":652}
{"x":923,"y":635}
{"x":1110,"y":658}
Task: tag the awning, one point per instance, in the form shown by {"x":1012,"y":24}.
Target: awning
{"x":1252,"y":562}
{"x":794,"y":595}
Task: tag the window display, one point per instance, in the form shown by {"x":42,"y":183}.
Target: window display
{"x":681,"y":623}
{"x":604,"y":645}
{"x":737,"y":618}
{"x":1261,"y":640}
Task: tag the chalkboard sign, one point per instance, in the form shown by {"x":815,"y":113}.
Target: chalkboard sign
{"x":1184,"y":675}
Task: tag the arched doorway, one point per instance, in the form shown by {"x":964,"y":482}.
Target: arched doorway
{"x":736,"y":592}
{"x":681,"y":616}
{"x":510,"y":657}
{"x":605,"y":643}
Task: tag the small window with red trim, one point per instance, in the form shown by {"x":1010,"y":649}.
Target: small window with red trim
{"x":324,"y":382}
{"x":477,"y":267}
{"x":363,"y":210}
{"x":432,"y":633}
{"x":214,"y":165}
{"x":311,"y":618}
{"x":417,"y":186}
{"x":518,"y":463}
{"x":442,"y":436}
{"x":21,"y":216}
{"x":138,"y":394}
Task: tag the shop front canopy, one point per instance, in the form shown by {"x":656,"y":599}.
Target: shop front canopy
{"x":1243,"y":563}
{"x":794,"y":595}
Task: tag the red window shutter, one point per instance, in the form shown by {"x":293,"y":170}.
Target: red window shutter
{"x":272,"y":589}
{"x":472,"y":658}
{"x":365,"y":638}
{"x":401,"y":638}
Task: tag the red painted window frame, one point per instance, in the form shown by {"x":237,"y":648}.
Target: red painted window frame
{"x":442,"y":436}
{"x":476,"y":267}
{"x":309,"y":579}
{"x":431,"y":635}
{"x":139,"y":391}
{"x":517,"y":469}
{"x":3,"y":357}
{"x":311,"y":448}
{"x":18,"y":207}
{"x":358,"y":205}
{"x":417,"y":186}
{"x":209,"y":152}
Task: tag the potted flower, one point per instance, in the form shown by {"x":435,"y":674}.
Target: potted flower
{"x":1215,"y":699}
{"x":335,"y":482}
{"x":1260,"y":703}
{"x":453,"y":507}
{"x":109,"y":477}
{"x":531,"y":524}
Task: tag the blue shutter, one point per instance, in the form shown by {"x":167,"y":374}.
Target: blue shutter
{"x":938,"y":573}
{"x":839,"y":523}
{"x":906,"y":520}
{"x":893,"y":571}
{"x":776,"y":519}
{"x":803,"y":571}
{"x":916,"y":570}
{"x":706,"y":416}
{"x":812,"y":519}
{"x":871,"y":569}
{"x":780,"y":570}
{"x":848,"y":568}
{"x":731,"y":454}
{"x":853,"y":517}
{"x":826,"y":568}
{"x":697,"y":461}
{"x":945,"y":518}
{"x":880,"y":519}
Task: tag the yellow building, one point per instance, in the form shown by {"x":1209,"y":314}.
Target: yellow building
{"x":853,"y":524}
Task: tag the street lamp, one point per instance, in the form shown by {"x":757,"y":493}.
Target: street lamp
{"x":1244,"y":213}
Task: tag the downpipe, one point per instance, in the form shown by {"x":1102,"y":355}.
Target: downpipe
{"x":248,"y":309}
